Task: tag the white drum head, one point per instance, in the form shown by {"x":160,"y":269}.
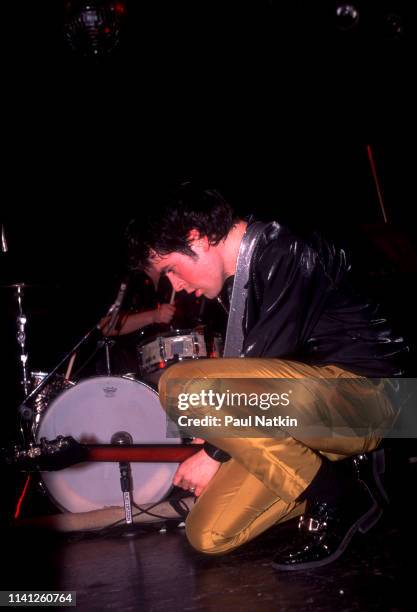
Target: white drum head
{"x":91,"y":412}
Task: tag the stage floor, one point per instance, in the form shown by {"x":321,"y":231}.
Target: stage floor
{"x":159,"y":571}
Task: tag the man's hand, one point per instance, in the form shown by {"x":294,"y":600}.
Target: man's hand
{"x":195,"y":473}
{"x":164,"y":313}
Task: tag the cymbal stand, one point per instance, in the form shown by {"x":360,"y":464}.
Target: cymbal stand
{"x":21,"y":336}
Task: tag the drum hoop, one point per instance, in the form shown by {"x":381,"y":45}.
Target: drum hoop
{"x":169,"y":334}
{"x":39,"y":373}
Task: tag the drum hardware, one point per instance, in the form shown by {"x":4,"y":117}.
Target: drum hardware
{"x":107,"y":343}
{"x":214,"y":341}
{"x":21,"y":321}
{"x":46,"y":394}
{"x":70,"y":365}
{"x":21,"y":337}
{"x":123,"y":438}
{"x":21,"y":334}
{"x":216,"y":346}
{"x":159,"y":352}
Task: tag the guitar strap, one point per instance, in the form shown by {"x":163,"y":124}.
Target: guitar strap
{"x":234,"y":332}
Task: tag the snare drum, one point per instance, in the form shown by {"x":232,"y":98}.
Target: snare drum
{"x":91,"y":412}
{"x":159,"y":352}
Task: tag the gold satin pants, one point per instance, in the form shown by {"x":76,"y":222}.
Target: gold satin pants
{"x":258,"y":487}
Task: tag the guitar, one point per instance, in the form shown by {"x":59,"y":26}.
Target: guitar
{"x":62,"y":452}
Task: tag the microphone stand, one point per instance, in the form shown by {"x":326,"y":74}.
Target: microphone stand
{"x":113,"y":313}
{"x":123,"y":438}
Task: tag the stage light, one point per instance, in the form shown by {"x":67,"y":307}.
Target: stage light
{"x":93,"y":27}
{"x":346,"y":15}
{"x":393,"y":26}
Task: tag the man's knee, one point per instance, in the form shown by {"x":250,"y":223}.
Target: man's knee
{"x":204,"y":532}
{"x":205,"y":540}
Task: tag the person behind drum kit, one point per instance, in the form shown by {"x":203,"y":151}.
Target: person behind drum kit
{"x":160,"y":315}
{"x":145,"y":311}
{"x":302,"y":320}
{"x":129,"y":322}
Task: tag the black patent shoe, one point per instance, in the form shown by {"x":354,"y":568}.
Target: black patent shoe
{"x":371,"y":469}
{"x":325,"y":530}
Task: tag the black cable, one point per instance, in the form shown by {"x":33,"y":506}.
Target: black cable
{"x":105,"y":530}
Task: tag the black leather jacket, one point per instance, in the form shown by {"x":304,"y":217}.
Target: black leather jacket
{"x":301,"y":306}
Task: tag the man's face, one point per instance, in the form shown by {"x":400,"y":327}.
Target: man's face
{"x":202,"y":274}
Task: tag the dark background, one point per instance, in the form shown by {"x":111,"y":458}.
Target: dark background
{"x":270,"y":102}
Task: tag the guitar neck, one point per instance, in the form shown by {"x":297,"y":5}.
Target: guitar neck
{"x":147,"y":453}
{"x":63,"y":452}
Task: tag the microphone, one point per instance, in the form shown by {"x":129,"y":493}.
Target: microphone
{"x":115,"y":309}
{"x":122,"y":438}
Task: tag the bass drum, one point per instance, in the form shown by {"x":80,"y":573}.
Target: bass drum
{"x":91,"y":412}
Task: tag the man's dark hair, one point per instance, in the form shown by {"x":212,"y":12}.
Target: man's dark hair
{"x":166,"y":227}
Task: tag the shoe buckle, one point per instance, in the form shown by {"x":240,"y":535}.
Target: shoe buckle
{"x":313,"y":524}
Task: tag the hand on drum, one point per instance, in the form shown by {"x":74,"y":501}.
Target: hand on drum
{"x":164,"y":313}
{"x":195,"y":473}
